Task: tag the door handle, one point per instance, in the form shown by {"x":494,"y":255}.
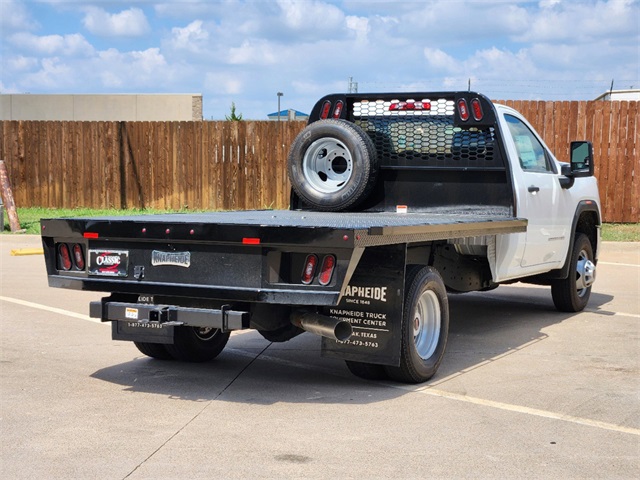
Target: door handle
{"x":533,"y":189}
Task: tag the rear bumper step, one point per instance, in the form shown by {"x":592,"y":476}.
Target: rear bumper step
{"x":140,"y":313}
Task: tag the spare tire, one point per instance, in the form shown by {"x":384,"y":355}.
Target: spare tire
{"x":333,"y":165}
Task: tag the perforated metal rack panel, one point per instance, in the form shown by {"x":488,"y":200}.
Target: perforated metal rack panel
{"x":425,"y":135}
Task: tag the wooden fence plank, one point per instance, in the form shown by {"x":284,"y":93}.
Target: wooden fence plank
{"x":613,"y":189}
{"x":631,"y":198}
{"x":623,"y":170}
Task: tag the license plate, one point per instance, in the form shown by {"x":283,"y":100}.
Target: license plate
{"x":110,"y":263}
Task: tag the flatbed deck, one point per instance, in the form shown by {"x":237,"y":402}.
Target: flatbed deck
{"x":294,"y":226}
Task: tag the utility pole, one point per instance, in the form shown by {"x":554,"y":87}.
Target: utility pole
{"x":279,"y":94}
{"x":353,"y":86}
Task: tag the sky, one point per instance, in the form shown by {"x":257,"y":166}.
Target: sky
{"x":246,"y":51}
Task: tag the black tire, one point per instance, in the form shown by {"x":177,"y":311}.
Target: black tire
{"x":153,"y":350}
{"x":283,"y":334}
{"x":192,"y":344}
{"x":572,"y":293}
{"x":425,"y":327}
{"x":333,"y":165}
{"x":368,"y":371}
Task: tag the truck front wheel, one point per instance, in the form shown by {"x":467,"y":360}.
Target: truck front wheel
{"x":572,"y":293}
{"x":425,"y":327}
{"x":194,"y":344}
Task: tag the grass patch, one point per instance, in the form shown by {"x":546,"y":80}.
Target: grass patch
{"x":621,"y":232}
{"x":30,"y":221}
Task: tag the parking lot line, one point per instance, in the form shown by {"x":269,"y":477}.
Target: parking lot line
{"x":600,"y":262}
{"x":429,"y":390}
{"x":47,"y":308}
{"x":520,"y":409}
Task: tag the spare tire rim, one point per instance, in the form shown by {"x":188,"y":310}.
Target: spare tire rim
{"x":327,"y":165}
{"x":585,"y":273}
{"x":426,"y":324}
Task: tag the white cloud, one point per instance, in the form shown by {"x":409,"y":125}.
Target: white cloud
{"x":577,"y":22}
{"x":253,"y":53}
{"x":6,"y":89}
{"x":310,"y":15}
{"x":192,"y":37}
{"x":304,"y":21}
{"x":127,"y":23}
{"x":67,"y":45}
{"x":360,"y":27}
{"x":20,"y":63}
{"x":224,"y":83}
{"x":548,"y":3}
{"x":440,"y":60}
{"x":149,"y":61}
{"x":14,"y":16}
{"x":53,"y":73}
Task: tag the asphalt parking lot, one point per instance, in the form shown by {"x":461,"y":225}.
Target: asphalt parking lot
{"x":524,"y":392}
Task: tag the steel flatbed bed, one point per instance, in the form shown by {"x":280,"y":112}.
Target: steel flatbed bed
{"x":272,"y":227}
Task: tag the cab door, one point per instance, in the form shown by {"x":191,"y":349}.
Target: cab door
{"x":541,"y":198}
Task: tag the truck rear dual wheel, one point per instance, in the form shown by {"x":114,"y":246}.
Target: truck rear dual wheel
{"x":332,"y":165}
{"x":425,"y":327}
{"x":194,"y":344}
{"x":368,"y":371}
{"x":572,"y":293}
{"x":154,"y":350}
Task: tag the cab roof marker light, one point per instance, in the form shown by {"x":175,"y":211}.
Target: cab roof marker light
{"x":409,"y":105}
{"x":476,"y":109}
{"x":463,"y":110}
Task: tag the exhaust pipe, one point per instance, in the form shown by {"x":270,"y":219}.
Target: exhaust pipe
{"x":322,"y":325}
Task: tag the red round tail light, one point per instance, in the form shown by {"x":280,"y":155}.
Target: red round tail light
{"x":463,"y":110}
{"x":337,"y":110}
{"x":309,"y":270}
{"x":324,"y":112}
{"x":326,"y":270}
{"x":64,"y":257}
{"x":476,"y":109}
{"x":78,"y":256}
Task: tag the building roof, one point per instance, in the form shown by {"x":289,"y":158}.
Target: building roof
{"x":628,"y":94}
{"x":285,"y":113}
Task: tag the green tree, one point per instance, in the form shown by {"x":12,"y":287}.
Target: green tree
{"x":233,"y":117}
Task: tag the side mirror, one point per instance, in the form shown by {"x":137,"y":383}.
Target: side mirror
{"x":581,"y":159}
{"x":566,"y":180}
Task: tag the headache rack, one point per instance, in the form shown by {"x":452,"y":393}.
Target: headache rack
{"x":425,"y":142}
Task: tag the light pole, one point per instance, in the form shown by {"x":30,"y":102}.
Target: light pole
{"x":279,"y":95}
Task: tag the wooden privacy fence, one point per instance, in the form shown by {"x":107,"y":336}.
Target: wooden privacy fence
{"x":163,"y":165}
{"x":242,"y":165}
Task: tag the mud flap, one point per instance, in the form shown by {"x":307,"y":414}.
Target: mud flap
{"x":372,"y":302}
